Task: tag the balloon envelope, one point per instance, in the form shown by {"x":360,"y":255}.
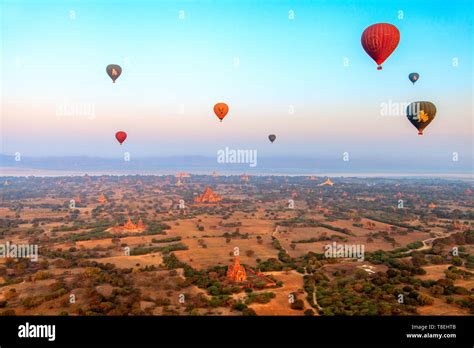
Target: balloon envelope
{"x":114,"y":71}
{"x":272,"y":137}
{"x":420,"y":114}
{"x":379,"y":41}
{"x":414,"y":77}
{"x":221,"y":110}
{"x":121,"y":136}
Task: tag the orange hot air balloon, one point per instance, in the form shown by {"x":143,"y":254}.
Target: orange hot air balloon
{"x":121,"y":136}
{"x":379,"y":41}
{"x":221,"y":110}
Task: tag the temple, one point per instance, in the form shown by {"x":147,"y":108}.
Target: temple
{"x":208,"y":196}
{"x":432,"y":205}
{"x":236,"y":272}
{"x":102,"y":199}
{"x":130,"y":226}
{"x":328,"y":182}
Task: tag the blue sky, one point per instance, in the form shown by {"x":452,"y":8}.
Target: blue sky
{"x":248,"y":54}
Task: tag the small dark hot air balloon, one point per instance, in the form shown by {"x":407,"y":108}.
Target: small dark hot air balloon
{"x":114,"y":71}
{"x":221,"y":110}
{"x":420,"y":114}
{"x":272,"y":137}
{"x":379,"y":41}
{"x":414,"y":77}
{"x":121,"y":136}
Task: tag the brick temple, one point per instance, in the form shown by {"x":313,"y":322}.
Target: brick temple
{"x":208,"y":196}
{"x":236,"y":272}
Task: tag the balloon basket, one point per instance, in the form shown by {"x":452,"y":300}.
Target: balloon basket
{"x":379,"y":67}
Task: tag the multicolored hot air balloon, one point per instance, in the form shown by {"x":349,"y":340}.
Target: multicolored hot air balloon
{"x":272,"y":137}
{"x":379,"y":41}
{"x":114,"y":71}
{"x":420,"y":114}
{"x":414,"y":77}
{"x":221,"y":110}
{"x":121,"y":136}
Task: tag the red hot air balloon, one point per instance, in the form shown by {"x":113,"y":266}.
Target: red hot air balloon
{"x":221,"y":109}
{"x":121,"y":136}
{"x":379,"y":41}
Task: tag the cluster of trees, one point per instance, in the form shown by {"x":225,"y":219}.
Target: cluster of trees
{"x":322,"y":238}
{"x":304,"y":222}
{"x":360,"y":295}
{"x":166,"y":240}
{"x":142,"y":250}
{"x":262,"y":297}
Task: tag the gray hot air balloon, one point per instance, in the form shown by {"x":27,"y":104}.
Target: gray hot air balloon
{"x":114,"y":71}
{"x":272,"y":137}
{"x":413,"y":77}
{"x":420,"y":114}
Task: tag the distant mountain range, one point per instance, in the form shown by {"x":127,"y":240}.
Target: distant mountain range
{"x":203,"y":164}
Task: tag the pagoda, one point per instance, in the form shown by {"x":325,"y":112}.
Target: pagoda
{"x":432,"y":206}
{"x":312,"y":178}
{"x":182,"y":175}
{"x":140,"y":224}
{"x":328,"y":182}
{"x":468,"y":191}
{"x":102,"y":199}
{"x":236,"y":272}
{"x":244,"y":178}
{"x":208,"y":196}
{"x":129,"y":225}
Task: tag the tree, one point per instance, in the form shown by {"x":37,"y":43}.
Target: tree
{"x":250,"y":253}
{"x":297,"y":305}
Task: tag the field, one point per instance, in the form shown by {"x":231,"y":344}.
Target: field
{"x":128,"y":246}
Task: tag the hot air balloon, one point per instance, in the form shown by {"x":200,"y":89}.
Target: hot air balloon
{"x":114,"y":71}
{"x":414,"y":77}
{"x":121,"y":136}
{"x":221,"y":109}
{"x":420,"y":114}
{"x":379,"y":41}
{"x":272,"y":137}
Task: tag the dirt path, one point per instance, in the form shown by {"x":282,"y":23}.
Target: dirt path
{"x":428,"y":243}
{"x":315,"y":301}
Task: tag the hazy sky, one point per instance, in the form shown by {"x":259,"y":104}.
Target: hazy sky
{"x":248,"y":54}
